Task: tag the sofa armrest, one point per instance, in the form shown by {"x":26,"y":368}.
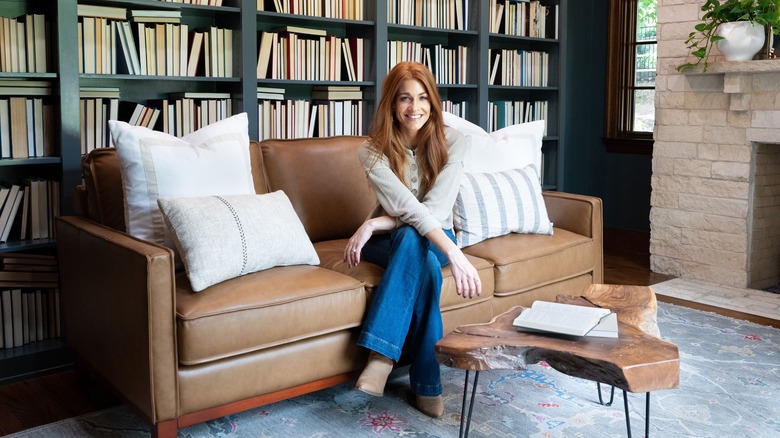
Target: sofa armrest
{"x":118,"y":305}
{"x":579,"y":214}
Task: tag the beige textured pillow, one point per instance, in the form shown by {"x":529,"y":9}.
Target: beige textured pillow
{"x":222,"y":237}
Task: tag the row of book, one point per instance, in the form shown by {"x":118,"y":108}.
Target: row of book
{"x":26,"y":123}
{"x":309,"y":54}
{"x":302,"y":118}
{"x":158,"y":44}
{"x":29,"y":299}
{"x":448,"y":64}
{"x":24,"y":46}
{"x":27,"y":210}
{"x":507,"y":113}
{"x":438,"y":14}
{"x":178,"y":115}
{"x":519,"y":68}
{"x":528,"y":18}
{"x":342,"y":9}
{"x":460,"y":109}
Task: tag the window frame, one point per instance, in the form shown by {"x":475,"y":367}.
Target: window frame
{"x":621,"y":59}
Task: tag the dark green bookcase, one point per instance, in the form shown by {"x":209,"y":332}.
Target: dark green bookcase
{"x":247,"y":24}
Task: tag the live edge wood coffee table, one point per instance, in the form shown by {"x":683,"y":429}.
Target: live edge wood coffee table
{"x":636,"y":361}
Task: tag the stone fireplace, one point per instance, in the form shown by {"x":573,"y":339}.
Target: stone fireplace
{"x":715,"y":205}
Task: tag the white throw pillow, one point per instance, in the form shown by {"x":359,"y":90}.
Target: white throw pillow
{"x":211,"y":161}
{"x":512,"y":147}
{"x":494,"y":204}
{"x":222,"y":237}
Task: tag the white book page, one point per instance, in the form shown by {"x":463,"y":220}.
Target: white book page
{"x":560,"y":318}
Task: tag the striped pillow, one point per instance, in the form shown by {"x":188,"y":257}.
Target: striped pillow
{"x":494,"y":204}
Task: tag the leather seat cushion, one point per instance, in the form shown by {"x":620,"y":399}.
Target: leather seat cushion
{"x":264,"y":309}
{"x":331,"y":253}
{"x":526,"y":261}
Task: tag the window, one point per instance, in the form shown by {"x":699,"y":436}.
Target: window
{"x":631,"y":76}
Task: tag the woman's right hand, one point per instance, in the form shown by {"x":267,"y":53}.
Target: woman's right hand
{"x":361,"y":236}
{"x":356,"y":243}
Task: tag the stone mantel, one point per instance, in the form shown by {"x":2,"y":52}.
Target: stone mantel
{"x":738,"y":80}
{"x":748,"y":67}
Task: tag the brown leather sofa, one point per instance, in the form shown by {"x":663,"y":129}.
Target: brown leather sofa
{"x":181,"y":357}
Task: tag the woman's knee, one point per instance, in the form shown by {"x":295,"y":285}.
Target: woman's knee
{"x":408,"y":235}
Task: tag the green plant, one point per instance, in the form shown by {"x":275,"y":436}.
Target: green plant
{"x":700,"y":41}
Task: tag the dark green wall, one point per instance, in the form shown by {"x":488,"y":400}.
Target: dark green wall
{"x":621,"y":180}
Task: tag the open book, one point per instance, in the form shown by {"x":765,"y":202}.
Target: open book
{"x":568,"y":319}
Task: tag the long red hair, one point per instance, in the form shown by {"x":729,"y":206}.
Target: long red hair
{"x":385,"y":134}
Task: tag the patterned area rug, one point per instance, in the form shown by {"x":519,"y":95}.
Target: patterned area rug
{"x":729,"y":387}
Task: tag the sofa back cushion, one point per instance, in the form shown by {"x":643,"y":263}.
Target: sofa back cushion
{"x":103,"y":183}
{"x":324,"y":181}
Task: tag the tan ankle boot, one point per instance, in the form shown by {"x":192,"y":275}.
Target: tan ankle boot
{"x":374,"y":376}
{"x":432,"y":406}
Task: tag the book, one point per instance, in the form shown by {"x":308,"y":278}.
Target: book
{"x":7,"y":319}
{"x":264,"y":54}
{"x":300,"y":30}
{"x":14,"y":207}
{"x":112,"y":12}
{"x":566,"y":319}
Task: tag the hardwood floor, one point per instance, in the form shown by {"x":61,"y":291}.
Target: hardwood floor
{"x":55,"y":397}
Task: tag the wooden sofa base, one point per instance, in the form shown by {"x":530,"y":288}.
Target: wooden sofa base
{"x":169,"y":428}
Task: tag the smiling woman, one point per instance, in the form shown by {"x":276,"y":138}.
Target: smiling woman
{"x":414,"y":166}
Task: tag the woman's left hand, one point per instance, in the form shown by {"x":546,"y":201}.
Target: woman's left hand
{"x":467,"y":282}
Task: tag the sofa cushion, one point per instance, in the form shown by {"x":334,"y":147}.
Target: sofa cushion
{"x":211,"y":161}
{"x":526,"y":261}
{"x":222,"y":237}
{"x":331,"y":254}
{"x":324,"y":181}
{"x":494,"y":204}
{"x":264,"y":309}
{"x":512,"y":147}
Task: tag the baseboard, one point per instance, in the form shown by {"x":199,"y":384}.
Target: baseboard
{"x":626,"y":241}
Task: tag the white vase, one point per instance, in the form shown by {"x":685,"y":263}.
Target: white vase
{"x":743,"y":40}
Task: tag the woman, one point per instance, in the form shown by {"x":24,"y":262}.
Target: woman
{"x":414,"y":164}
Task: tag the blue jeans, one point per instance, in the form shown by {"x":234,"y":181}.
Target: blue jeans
{"x":405,"y":305}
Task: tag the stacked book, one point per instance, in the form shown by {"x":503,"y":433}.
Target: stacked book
{"x":23,"y":44}
{"x":197,"y":2}
{"x":26,"y":119}
{"x":342,"y":9}
{"x":299,"y":53}
{"x":333,"y":110}
{"x":567,"y":319}
{"x":29,"y":299}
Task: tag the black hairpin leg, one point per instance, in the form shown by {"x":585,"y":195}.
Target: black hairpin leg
{"x":647,"y":414}
{"x":464,"y":433}
{"x":611,"y":395}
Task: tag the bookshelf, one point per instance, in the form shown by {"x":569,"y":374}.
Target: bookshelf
{"x":374,"y":24}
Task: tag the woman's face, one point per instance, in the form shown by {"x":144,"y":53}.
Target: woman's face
{"x":412,"y":109}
